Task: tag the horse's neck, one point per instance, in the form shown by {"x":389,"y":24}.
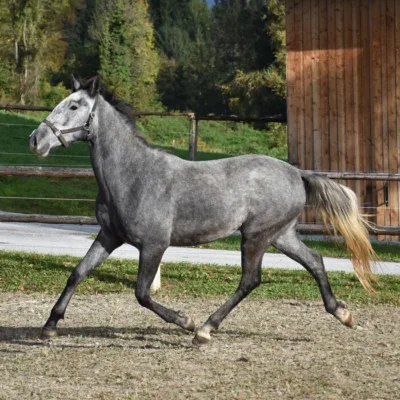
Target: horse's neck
{"x":115,"y":151}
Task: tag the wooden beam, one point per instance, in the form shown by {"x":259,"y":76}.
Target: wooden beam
{"x":273,"y":118}
{"x":192,"y":139}
{"x":368,"y":176}
{"x":80,"y":220}
{"x":291,"y":69}
{"x":48,"y":172}
{"x":48,"y":219}
{"x":21,"y":107}
{"x":235,"y":118}
{"x":319,"y":229}
{"x":59,"y":172}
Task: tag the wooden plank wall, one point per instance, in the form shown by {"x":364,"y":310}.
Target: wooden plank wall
{"x":344,"y":94}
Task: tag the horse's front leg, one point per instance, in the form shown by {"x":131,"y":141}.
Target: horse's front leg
{"x":149,"y":261}
{"x":98,"y":252}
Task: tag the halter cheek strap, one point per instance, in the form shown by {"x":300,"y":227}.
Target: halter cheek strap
{"x":60,"y":132}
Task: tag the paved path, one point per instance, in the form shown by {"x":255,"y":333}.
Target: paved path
{"x":75,"y":240}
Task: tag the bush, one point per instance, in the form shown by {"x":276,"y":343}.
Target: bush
{"x":52,"y":95}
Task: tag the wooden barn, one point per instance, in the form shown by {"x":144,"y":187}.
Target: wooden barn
{"x":343,"y":69}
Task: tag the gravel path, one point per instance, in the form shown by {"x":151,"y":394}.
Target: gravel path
{"x":111,"y":348}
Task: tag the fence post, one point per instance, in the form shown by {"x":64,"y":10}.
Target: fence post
{"x":196,"y":135}
{"x":192,"y":137}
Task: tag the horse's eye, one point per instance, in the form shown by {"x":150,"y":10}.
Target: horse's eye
{"x":73,"y":108}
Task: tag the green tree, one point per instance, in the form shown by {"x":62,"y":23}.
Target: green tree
{"x":32,"y":31}
{"x":186,"y":80}
{"x":82,"y":57}
{"x":179,"y":25}
{"x":7,"y":73}
{"x":251,"y":67}
{"x":276,"y":28}
{"x":128,"y":60}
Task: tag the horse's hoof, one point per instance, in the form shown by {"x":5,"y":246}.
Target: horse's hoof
{"x":345,"y":317}
{"x":47,"y":334}
{"x":189,"y":325}
{"x":201,"y":338}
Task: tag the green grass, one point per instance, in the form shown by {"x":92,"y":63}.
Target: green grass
{"x":384,"y":251}
{"x":48,"y":188}
{"x":22,"y":272}
{"x":217,"y":140}
{"x":15,"y":130}
{"x":327,"y":248}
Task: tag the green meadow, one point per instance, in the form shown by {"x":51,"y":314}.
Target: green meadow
{"x":216,"y":140}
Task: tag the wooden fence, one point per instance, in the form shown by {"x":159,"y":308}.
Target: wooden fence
{"x":343,"y":77}
{"x":56,"y":172}
{"x":193,"y":118}
{"x":60,"y":172}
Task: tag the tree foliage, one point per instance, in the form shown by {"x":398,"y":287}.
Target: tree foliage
{"x":252,"y":61}
{"x":32,"y":33}
{"x":226,"y":59}
{"x":128,"y":61}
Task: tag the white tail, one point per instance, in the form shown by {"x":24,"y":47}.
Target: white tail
{"x":339,"y":208}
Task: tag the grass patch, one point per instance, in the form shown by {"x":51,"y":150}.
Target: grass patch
{"x":48,"y":274}
{"x":85,"y":189}
{"x":217,"y":140}
{"x":384,"y":251}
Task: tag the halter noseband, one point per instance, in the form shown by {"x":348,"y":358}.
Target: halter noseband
{"x":60,"y":132}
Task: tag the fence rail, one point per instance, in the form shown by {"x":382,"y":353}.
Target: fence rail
{"x":81,"y":220}
{"x":47,"y":172}
{"x":48,"y":219}
{"x":68,"y":172}
{"x":205,"y":117}
{"x":61,"y":172}
{"x":193,"y":120}
{"x":57,"y":172}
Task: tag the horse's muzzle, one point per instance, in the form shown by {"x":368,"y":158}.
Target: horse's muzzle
{"x":41,"y":150}
{"x":33,"y":141}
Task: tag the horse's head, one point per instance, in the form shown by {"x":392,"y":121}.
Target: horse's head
{"x":70,"y":121}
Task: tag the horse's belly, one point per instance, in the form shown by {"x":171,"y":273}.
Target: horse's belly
{"x":191,"y":238}
{"x":205,"y":226}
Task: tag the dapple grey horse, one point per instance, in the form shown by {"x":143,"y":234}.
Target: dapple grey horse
{"x":152,"y":199}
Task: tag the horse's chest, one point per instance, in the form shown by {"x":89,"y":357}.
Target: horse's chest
{"x":132,"y":224}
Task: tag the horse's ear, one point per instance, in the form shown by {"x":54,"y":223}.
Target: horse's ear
{"x":76,"y":85}
{"x":94,"y":86}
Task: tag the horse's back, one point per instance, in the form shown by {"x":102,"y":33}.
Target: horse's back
{"x":220,"y":196}
{"x":244,"y":177}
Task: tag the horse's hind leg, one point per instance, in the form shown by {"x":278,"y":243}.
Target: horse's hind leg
{"x":98,"y":252}
{"x":149,"y":260}
{"x":293,"y":247}
{"x":253,"y":249}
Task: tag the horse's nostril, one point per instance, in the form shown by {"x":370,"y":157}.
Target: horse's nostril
{"x":33,"y":140}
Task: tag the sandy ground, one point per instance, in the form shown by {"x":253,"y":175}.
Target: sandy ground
{"x":110,"y":348}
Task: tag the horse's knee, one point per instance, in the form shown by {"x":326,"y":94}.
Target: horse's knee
{"x":255,"y":283}
{"x":143,"y":298}
{"x":249,"y":285}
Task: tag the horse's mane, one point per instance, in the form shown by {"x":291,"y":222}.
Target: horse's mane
{"x":123,"y":107}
